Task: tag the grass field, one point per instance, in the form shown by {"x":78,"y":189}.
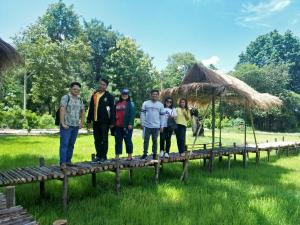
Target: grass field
{"x":268,"y":194}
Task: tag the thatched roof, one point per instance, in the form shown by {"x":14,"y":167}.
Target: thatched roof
{"x":200,"y":83}
{"x":8,"y":55}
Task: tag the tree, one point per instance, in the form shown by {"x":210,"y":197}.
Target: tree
{"x":129,"y":66}
{"x":61,"y":22}
{"x":274,"y":48}
{"x":101,"y":39}
{"x":178,"y":65}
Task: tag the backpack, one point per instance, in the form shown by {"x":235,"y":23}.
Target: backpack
{"x":57,"y":114}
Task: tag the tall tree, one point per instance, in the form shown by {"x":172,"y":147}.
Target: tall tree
{"x":101,"y":39}
{"x":274,"y":48}
{"x":178,"y":65}
{"x":129,"y":66}
{"x":61,"y":22}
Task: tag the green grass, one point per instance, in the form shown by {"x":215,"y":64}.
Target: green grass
{"x":268,"y":194}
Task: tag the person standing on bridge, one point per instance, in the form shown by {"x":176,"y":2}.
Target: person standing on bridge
{"x":152,"y":118}
{"x":71,"y":117}
{"x":102,"y":115}
{"x":183,"y":116}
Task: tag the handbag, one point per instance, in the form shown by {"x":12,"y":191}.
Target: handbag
{"x":171,"y":123}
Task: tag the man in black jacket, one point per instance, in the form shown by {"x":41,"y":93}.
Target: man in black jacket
{"x":102,"y":114}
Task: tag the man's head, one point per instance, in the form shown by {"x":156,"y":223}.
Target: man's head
{"x":75,"y":88}
{"x":103,"y":84}
{"x":154,"y":95}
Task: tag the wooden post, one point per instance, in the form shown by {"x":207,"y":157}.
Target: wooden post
{"x":185,"y":171}
{"x":268,"y":157}
{"x":257,"y":154}
{"x":10,"y":193}
{"x":94,"y":179}
{"x":283,"y":138}
{"x":156,"y":168}
{"x":213,"y":123}
{"x":245,"y":138}
{"x":234,"y":156}
{"x":229,"y":158}
{"x":42,"y":183}
{"x":204,"y":159}
{"x":117,"y":179}
{"x":220,"y":126}
{"x":131,"y":176}
{"x":65,"y":191}
{"x":60,"y":222}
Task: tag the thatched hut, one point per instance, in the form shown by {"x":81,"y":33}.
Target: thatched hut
{"x":201,"y":83}
{"x":8,"y":55}
{"x":202,"y":86}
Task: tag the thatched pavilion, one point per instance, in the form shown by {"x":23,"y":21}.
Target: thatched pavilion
{"x":8,"y":55}
{"x":202,"y":86}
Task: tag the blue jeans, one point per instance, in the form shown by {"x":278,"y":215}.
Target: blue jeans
{"x":120,"y":134}
{"x":67,"y":141}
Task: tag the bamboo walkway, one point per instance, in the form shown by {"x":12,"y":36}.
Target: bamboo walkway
{"x":45,"y":173}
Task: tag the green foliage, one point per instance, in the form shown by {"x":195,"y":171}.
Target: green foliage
{"x":46,"y":121}
{"x":178,"y":65}
{"x":31,"y":120}
{"x":275,"y":48}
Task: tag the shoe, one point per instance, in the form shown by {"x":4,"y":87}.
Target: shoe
{"x":154,"y":156}
{"x":129,"y":159}
{"x":101,"y":160}
{"x":63,"y":166}
{"x":96,"y":160}
{"x":167,"y":155}
{"x":161,"y":154}
{"x":143,"y":156}
{"x":182,"y":154}
{"x":70,"y":164}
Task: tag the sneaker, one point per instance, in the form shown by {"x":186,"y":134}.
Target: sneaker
{"x":167,"y":155}
{"x":101,"y":160}
{"x":70,"y":164}
{"x":63,"y":166}
{"x":144,"y":156}
{"x":129,"y":159}
{"x":161,"y":154}
{"x":182,"y":154}
{"x":96,"y":160}
{"x":154,"y":156}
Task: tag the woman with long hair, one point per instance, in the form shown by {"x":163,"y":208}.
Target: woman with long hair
{"x":183,"y":116}
{"x":168,"y":129}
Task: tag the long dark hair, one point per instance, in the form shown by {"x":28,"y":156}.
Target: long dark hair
{"x":165,"y":102}
{"x":121,"y":99}
{"x":186,"y":103}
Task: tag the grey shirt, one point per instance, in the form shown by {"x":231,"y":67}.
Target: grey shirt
{"x":73,"y":109}
{"x":152,"y":114}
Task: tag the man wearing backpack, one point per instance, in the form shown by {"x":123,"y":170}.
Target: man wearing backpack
{"x":102,"y":114}
{"x":71,"y":117}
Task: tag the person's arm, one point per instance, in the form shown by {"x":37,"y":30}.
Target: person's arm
{"x":143,"y":115}
{"x":82,"y":115}
{"x":112,"y":110}
{"x":62,"y":111}
{"x":162,"y":114}
{"x":132,"y":115}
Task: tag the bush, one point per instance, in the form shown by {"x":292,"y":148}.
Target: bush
{"x":46,"y":121}
{"x":31,"y":121}
{"x":13,"y":118}
{"x":137,"y":123}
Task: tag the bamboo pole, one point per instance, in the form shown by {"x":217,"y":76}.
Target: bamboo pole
{"x":245,"y":137}
{"x":213,"y":123}
{"x":254,"y":135}
{"x":220,"y":126}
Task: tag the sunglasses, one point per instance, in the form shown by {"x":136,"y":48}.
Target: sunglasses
{"x":169,"y":101}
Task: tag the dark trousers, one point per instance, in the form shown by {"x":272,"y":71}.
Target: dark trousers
{"x":153,"y":132}
{"x":165,"y":140}
{"x":101,"y":139}
{"x":67,"y":142}
{"x":180,"y":136}
{"x":123,"y":134}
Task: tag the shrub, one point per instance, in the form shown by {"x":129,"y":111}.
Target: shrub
{"x":31,"y":120}
{"x":46,"y":121}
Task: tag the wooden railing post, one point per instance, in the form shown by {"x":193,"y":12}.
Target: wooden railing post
{"x":10,"y":193}
{"x":94,"y":179}
{"x":118,"y":179}
{"x":42,"y":183}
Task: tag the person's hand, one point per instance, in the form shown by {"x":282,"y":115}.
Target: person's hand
{"x":161,"y":129}
{"x":130,"y":127}
{"x":64,"y":125}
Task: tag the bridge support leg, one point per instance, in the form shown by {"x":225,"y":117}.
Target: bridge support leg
{"x":65,"y":191}
{"x":94,"y":179}
{"x":42,"y":183}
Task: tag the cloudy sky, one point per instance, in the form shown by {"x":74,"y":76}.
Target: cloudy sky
{"x":216,"y":31}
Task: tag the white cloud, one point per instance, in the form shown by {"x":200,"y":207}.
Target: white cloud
{"x":253,"y":14}
{"x":213,"y":60}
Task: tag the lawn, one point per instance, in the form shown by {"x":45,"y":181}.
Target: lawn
{"x":267,"y":194}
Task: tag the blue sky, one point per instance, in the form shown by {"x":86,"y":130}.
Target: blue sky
{"x":216,"y":31}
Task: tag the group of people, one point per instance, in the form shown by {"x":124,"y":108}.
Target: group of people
{"x":105,"y":114}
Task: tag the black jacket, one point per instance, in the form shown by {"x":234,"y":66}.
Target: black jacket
{"x":106,"y":100}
